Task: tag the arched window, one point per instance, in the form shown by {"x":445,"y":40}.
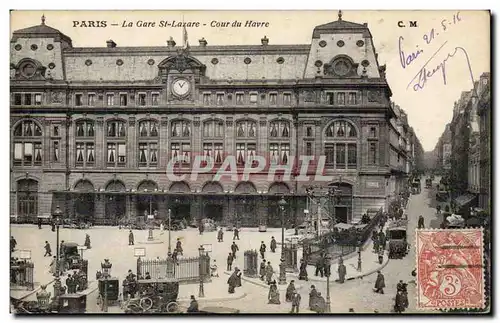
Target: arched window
{"x":148,"y":143}
{"x":27,"y":198}
{"x":85,"y":143}
{"x":341,"y":145}
{"x":116,"y":143}
{"x":27,"y":144}
{"x":246,"y":141}
{"x":213,"y":140}
{"x":180,"y":144}
{"x":279,"y":142}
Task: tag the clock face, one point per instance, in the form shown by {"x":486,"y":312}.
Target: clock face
{"x":181,"y":87}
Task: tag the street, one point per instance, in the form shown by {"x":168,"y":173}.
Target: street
{"x":112,"y":243}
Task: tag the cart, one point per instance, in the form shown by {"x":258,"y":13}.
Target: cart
{"x":154,"y":296}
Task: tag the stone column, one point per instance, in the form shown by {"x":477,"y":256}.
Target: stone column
{"x":132,"y":146}
{"x":163,"y":149}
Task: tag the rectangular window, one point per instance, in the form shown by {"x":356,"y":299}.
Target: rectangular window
{"x":38,"y":153}
{"x":309,"y":131}
{"x":18,"y":151}
{"x":155,"y":99}
{"x":352,"y":99}
{"x":218,"y":153}
{"x":340,"y":155}
{"x":186,"y":152}
{"x":219,"y":129}
{"x":329,"y":154}
{"x":240,"y":154}
{"x":207,"y":129}
{"x":372,"y":153}
{"x":287,"y":99}
{"x":142,"y":99}
{"x":90,"y":153}
{"x":78,"y":100}
{"x":27,"y":99}
{"x":253,"y":98}
{"x":80,"y":154}
{"x":309,"y":150}
{"x":220,"y":99}
{"x":18,"y":99}
{"x":153,"y":153}
{"x":274,"y":154}
{"x":239,"y":98}
{"x":110,"y":99}
{"x":123,"y":99}
{"x":285,"y":154}
{"x":55,"y":151}
{"x":330,"y":99}
{"x":206,"y":99}
{"x":175,"y":151}
{"x":111,"y":154}
{"x":143,"y":154}
{"x":207,"y":150}
{"x":273,"y":98}
{"x":351,"y":156}
{"x":38,"y":99}
{"x":122,"y":155}
{"x":28,"y":152}
{"x":56,"y":131}
{"x":341,"y":98}
{"x":91,"y":99}
{"x":251,"y":151}
{"x":373,"y":132}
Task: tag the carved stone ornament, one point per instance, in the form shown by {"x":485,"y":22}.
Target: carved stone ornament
{"x":229,"y":122}
{"x":131,"y":121}
{"x":263,"y":123}
{"x":309,"y":96}
{"x":374,"y":96}
{"x":196,"y":123}
{"x":342,"y":66}
{"x":56,"y":97}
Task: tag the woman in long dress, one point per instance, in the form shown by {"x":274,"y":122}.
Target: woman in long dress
{"x":53,"y":264}
{"x":274,"y":295}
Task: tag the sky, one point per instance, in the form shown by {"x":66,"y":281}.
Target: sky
{"x":453,"y":47}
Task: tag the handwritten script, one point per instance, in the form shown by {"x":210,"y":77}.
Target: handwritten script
{"x":425,"y":73}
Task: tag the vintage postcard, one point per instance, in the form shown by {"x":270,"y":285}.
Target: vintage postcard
{"x":220,"y":162}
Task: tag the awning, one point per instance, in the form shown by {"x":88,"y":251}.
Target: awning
{"x":343,"y":226}
{"x":464,"y":199}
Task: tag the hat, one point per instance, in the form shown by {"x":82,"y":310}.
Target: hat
{"x":236,"y":269}
{"x":312,"y":286}
{"x":192,"y":296}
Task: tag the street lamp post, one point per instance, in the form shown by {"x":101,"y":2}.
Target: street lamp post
{"x":57,"y":218}
{"x":328,"y":305}
{"x":169,"y":233}
{"x":201,"y":292}
{"x":282,"y":277}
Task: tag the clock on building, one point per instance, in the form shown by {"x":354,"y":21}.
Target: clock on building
{"x":181,"y":87}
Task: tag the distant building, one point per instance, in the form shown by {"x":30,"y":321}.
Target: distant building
{"x":484,"y":113}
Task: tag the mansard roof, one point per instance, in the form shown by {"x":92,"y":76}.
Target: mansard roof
{"x":40,"y":31}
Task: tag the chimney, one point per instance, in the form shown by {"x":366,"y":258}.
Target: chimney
{"x":203,"y":42}
{"x":264,"y":41}
{"x":171,"y":42}
{"x":110,"y":44}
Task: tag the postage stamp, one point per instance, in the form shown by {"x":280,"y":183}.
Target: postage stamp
{"x":450,"y":269}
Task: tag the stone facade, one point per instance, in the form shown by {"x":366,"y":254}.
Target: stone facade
{"x":95,"y":129}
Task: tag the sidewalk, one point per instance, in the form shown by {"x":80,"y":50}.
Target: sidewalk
{"x":256,"y":281}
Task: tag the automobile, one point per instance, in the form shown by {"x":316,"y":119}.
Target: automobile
{"x":397,"y":239}
{"x":70,"y":256}
{"x":155,"y":296}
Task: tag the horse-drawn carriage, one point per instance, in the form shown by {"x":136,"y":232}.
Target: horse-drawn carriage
{"x":154,"y":296}
{"x":428,"y":183}
{"x":397,"y":240}
{"x":70,"y":257}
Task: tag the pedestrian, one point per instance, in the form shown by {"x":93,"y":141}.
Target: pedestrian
{"x":87,"y":241}
{"x":421,"y":222}
{"x":229,"y":262}
{"x":220,"y":235}
{"x":273,"y":244}
{"x":382,"y":239}
{"x":290,"y":290}
{"x":274,"y":295}
{"x":130,"y":238}
{"x":53,"y":265}
{"x":319,"y":267}
{"x":303,"y":270}
{"x":13,"y":244}
{"x":53,"y":226}
{"x":269,"y":273}
{"x":313,"y":294}
{"x":438,"y":209}
{"x":375,"y":241}
{"x":174,"y":257}
{"x":238,"y":277}
{"x":379,"y":283}
{"x":320,"y":304}
{"x":232,"y":281}
{"x":178,"y":246}
{"x":69,"y":284}
{"x":236,"y":234}
{"x":147,"y":276}
{"x":193,"y":306}
{"x":295,"y":302}
{"x":381,"y":255}
{"x":61,"y":248}
{"x":48,"y":250}
{"x":234,"y":248}
{"x":262,"y":249}
{"x":201,"y":227}
{"x":399,"y":302}
{"x":342,"y":272}
{"x":39,"y":223}
{"x":262,"y":269}
{"x":213,"y":269}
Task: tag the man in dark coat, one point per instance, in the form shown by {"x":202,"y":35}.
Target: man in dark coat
{"x":319,"y":267}
{"x":39,"y":223}
{"x":48,"y":250}
{"x":61,"y":248}
{"x":295,"y":302}
{"x":234,"y":248}
{"x":220,"y":235}
{"x":238,"y":277}
{"x":69,"y":284}
{"x":269,"y":272}
{"x":380,"y":255}
{"x":421,"y":222}
{"x":236,"y":235}
{"x":273,"y":244}
{"x":87,"y":241}
{"x":193,"y":306}
{"x":178,"y":246}
{"x":131,"y":238}
{"x":313,"y":294}
{"x":382,"y":239}
{"x":262,"y":249}
{"x":13,"y":244}
{"x":290,"y":290}
{"x":262,"y":269}
{"x":375,"y":241}
{"x":232,"y":282}
{"x":379,"y":283}
{"x":303,"y":270}
{"x":399,"y":306}
{"x":230,"y":261}
{"x":320,"y":305}
{"x":342,"y":272}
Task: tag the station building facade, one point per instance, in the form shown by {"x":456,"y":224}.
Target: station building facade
{"x":93,"y":130}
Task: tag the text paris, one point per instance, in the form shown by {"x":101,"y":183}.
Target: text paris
{"x":420,"y":79}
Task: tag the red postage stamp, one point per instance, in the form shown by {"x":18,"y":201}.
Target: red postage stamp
{"x":450,"y":271}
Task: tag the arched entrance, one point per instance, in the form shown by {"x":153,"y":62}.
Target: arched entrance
{"x":275,"y":192}
{"x":245,"y":204}
{"x":341,"y":203}
{"x":116,"y":203}
{"x":146,"y":203}
{"x":213,"y":202}
{"x":180,"y":203}
{"x":27,"y":198}
{"x":84,"y":201}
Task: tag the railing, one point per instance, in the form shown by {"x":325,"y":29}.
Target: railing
{"x":21,"y":275}
{"x":185,"y":270}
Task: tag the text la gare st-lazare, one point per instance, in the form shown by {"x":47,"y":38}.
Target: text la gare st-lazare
{"x":170,"y":23}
